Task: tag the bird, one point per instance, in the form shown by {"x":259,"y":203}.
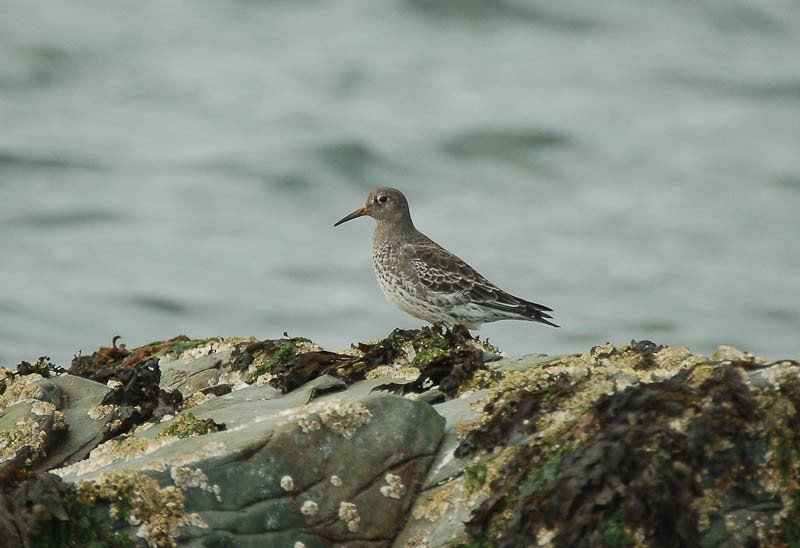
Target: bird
{"x":423,"y":279}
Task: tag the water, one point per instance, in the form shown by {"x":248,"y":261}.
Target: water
{"x":175,"y":167}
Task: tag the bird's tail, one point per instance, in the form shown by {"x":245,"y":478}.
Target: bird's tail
{"x":527,"y":310}
{"x":536,"y":313}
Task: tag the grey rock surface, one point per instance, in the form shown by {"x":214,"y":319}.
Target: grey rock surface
{"x":79,"y":400}
{"x":30,"y":424}
{"x":195,"y":375}
{"x":287,"y":470}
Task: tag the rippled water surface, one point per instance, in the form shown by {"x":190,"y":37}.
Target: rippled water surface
{"x":176,"y":167}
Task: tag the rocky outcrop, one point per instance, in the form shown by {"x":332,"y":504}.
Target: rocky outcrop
{"x":634,"y":446}
{"x":421,"y":439}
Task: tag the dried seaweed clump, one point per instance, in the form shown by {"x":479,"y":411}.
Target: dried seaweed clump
{"x":701,"y":455}
{"x":285,"y":363}
{"x":138,"y":394}
{"x":448,"y":359}
{"x":104,"y":363}
{"x":43,"y":367}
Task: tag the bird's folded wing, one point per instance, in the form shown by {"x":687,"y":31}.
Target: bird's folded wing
{"x":440,"y":271}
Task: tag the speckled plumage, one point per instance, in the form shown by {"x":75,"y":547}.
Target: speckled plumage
{"x":425,"y":280}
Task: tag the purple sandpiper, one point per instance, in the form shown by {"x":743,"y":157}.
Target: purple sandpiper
{"x":425,"y":280}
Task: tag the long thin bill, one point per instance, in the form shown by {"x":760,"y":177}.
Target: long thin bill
{"x":360,"y":212}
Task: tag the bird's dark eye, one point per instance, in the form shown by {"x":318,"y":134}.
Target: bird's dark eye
{"x":383,"y":199}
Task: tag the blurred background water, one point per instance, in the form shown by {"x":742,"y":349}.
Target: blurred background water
{"x":176,"y":167}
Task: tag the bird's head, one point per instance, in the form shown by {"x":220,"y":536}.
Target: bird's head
{"x":383,"y":204}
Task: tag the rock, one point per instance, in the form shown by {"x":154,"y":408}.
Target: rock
{"x":195,"y":375}
{"x":30,"y":421}
{"x":688,"y":449}
{"x":413,"y":440}
{"x":368,"y":450}
{"x":20,"y":388}
{"x":51,"y":393}
{"x":87,"y":419}
{"x":730,"y":353}
{"x":27,"y":430}
{"x":441,"y":509}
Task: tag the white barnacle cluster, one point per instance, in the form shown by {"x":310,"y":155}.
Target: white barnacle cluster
{"x":187,"y":478}
{"x":42,"y":408}
{"x":345,"y":418}
{"x":394,"y":488}
{"x":287,"y":483}
{"x":99,"y":412}
{"x":309,"y":424}
{"x":264,"y":378}
{"x":47,"y":409}
{"x":348,"y":512}
{"x":20,"y":388}
{"x":25,"y":434}
{"x":309,"y":508}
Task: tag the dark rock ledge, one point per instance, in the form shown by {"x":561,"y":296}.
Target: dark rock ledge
{"x":421,"y":439}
